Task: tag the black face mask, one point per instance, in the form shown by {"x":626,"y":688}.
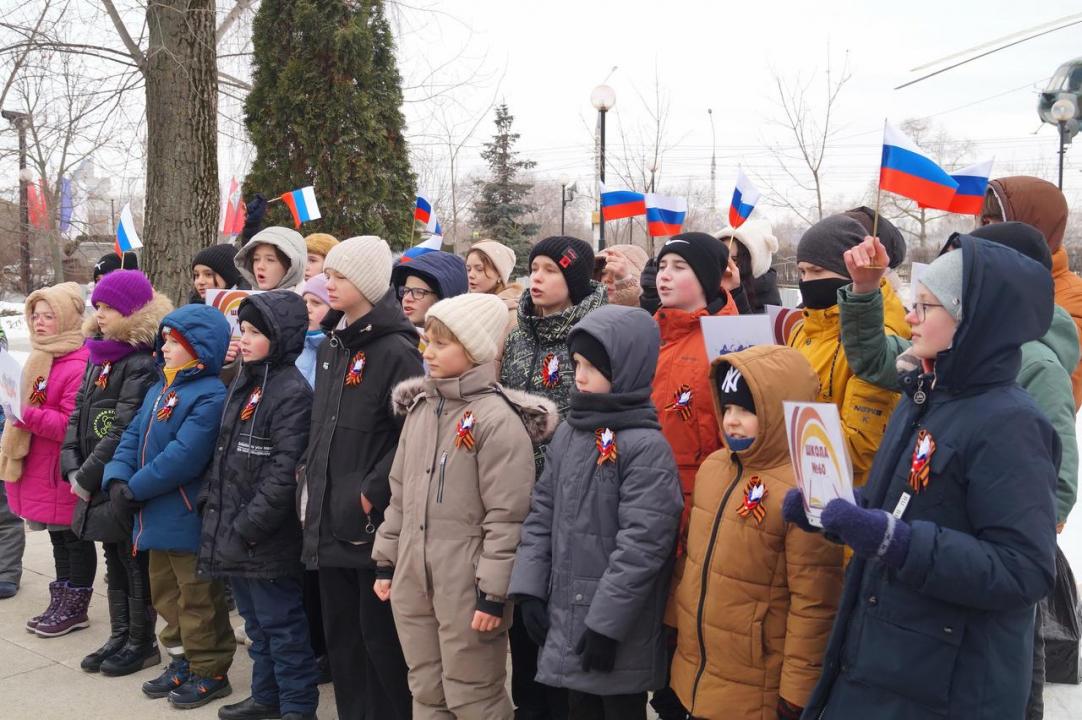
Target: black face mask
{"x":821,"y":294}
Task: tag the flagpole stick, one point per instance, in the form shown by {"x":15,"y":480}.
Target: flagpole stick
{"x":875,"y":218}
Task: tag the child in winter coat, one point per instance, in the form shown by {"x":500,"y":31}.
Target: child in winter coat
{"x":452,"y":527}
{"x":592,"y":568}
{"x":426,"y":279}
{"x":120,"y":337}
{"x":757,"y":595}
{"x":864,"y":408}
{"x":251,"y":534}
{"x":213,"y":269}
{"x":318,"y":304}
{"x":489,"y":265}
{"x":273,"y":259}
{"x":318,"y":245}
{"x":751,"y":247}
{"x":344,"y":487}
{"x":156,"y":474}
{"x":30,"y":452}
{"x":535,"y":360}
{"x":954,"y":536}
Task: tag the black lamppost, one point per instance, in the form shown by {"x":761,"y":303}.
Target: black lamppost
{"x":603,"y":98}
{"x":20,"y":120}
{"x":567,"y":195}
{"x":1063,"y":112}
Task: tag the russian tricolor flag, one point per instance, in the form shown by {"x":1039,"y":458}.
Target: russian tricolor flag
{"x":665,"y":215}
{"x":430,"y":245}
{"x":745,"y":197}
{"x":126,"y":237}
{"x":907,"y":171}
{"x":302,"y":203}
{"x":425,"y":214}
{"x":972,"y":184}
{"x":618,"y":204}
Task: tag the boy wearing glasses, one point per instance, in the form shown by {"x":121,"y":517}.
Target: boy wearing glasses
{"x":422,"y":281}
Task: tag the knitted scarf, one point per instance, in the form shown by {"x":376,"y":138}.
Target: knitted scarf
{"x":66,"y":300}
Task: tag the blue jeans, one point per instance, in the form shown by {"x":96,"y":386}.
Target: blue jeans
{"x":284,"y":673}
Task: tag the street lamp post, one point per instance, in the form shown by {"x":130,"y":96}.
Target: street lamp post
{"x":565,"y":198}
{"x":603,"y":98}
{"x":713,"y":163}
{"x":20,"y":120}
{"x":1063,"y":112}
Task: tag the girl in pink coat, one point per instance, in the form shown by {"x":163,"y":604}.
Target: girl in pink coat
{"x":30,"y":451}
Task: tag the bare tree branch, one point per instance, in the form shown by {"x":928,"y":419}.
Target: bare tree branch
{"x":125,"y":37}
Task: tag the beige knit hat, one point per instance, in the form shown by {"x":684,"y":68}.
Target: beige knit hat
{"x":477,"y":320}
{"x":501,"y":257}
{"x":366,"y":262}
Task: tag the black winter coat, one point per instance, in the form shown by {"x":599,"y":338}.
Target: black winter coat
{"x":102,"y":413}
{"x":354,"y":433}
{"x":250,"y":528}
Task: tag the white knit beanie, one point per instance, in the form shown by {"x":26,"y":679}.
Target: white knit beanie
{"x":366,"y":262}
{"x":758,"y":237}
{"x":501,"y":257}
{"x":477,"y":320}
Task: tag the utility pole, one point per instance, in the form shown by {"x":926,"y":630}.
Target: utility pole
{"x":20,"y":120}
{"x":713,"y":163}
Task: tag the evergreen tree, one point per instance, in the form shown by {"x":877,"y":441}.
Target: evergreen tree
{"x":501,"y":205}
{"x":325,"y":110}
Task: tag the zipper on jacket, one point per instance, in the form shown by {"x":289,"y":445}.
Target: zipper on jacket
{"x":439,"y":488}
{"x":150,"y":424}
{"x":706,"y":576}
{"x":135,"y":545}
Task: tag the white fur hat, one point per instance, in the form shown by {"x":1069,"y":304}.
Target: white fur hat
{"x":758,"y":237}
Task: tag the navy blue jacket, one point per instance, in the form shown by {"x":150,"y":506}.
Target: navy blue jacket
{"x":163,"y":460}
{"x":443,"y":271}
{"x":950,"y":633}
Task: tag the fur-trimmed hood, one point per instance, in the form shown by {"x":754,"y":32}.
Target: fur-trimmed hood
{"x":136,"y":329}
{"x":539,"y":414}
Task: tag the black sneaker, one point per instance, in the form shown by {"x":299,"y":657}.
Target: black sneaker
{"x":199,"y":691}
{"x":174,"y":677}
{"x":248,"y":709}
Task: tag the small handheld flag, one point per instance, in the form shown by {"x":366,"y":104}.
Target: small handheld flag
{"x":907,"y":171}
{"x":425,"y":213}
{"x":127,"y":238}
{"x":619,"y":204}
{"x":665,"y":215}
{"x":745,"y":197}
{"x":432,"y":244}
{"x":302,"y":203}
{"x":972,"y":184}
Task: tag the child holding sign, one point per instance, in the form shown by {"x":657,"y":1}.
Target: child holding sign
{"x":756,"y":595}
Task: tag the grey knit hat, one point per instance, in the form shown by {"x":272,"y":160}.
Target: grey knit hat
{"x":825,"y":242}
{"x":943,"y":278}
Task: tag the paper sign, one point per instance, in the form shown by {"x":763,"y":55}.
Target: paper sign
{"x":782,"y":320}
{"x":228,"y":301}
{"x":820,"y":456}
{"x":732,"y":333}
{"x":11,"y":374}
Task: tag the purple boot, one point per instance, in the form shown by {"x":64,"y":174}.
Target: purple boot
{"x":69,"y":616}
{"x":57,"y":589}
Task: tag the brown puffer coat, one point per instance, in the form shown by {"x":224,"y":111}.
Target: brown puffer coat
{"x":756,"y":599}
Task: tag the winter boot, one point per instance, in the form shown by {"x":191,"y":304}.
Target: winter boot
{"x":118,"y":620}
{"x":199,"y":691}
{"x":69,"y":616}
{"x":141,"y":649}
{"x":174,"y":676}
{"x":57,"y":588}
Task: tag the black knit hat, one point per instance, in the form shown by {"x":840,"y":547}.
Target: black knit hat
{"x":707,"y":256}
{"x":733,"y":389}
{"x":219,"y":258}
{"x":575,"y":259}
{"x":585,"y":344}
{"x":111,"y":261}
{"x":250,"y":313}
{"x":889,"y":235}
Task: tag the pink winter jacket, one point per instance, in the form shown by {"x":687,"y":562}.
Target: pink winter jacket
{"x":42,"y":494}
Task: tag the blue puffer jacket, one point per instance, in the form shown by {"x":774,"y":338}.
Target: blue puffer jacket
{"x":949,"y":634}
{"x":163,"y":460}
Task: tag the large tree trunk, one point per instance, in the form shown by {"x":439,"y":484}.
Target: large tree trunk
{"x":182,"y":141}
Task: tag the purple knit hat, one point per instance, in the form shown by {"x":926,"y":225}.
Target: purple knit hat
{"x":123,"y":290}
{"x":316,"y":286}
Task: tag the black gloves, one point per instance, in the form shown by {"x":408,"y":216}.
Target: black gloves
{"x":535,"y":616}
{"x":598,"y":651}
{"x":792,"y":509}
{"x":253,"y":219}
{"x":787,"y":710}
{"x":124,"y":503}
{"x":649,"y":300}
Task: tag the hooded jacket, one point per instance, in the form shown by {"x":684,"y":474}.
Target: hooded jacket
{"x":443,"y":271}
{"x":455,"y":508}
{"x":687,"y":420}
{"x":598,"y":543}
{"x":950,"y":632}
{"x":756,"y":598}
{"x":1044,"y":373}
{"x":1041,"y":204}
{"x":163,"y":455}
{"x":354,"y":433}
{"x":289,"y":241}
{"x":250,"y":524}
{"x":107,"y":402}
{"x":864,"y":408}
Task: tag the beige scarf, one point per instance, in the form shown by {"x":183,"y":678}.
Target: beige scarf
{"x":67,"y":301}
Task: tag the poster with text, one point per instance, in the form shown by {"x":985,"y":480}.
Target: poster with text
{"x":725,"y":334}
{"x":819,"y":454}
{"x":11,"y":373}
{"x":228,"y":301}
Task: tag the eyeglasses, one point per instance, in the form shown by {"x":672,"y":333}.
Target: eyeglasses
{"x":417,"y":294}
{"x":920,"y":309}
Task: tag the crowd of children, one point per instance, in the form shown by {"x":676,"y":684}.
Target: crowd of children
{"x":400,"y":472}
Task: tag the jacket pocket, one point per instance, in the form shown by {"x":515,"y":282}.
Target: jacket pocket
{"x":349,"y":523}
{"x":582,"y":595}
{"x":757,"y":644}
{"x":302,"y":493}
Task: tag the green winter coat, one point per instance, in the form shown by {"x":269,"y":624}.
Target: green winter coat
{"x":1045,"y":373}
